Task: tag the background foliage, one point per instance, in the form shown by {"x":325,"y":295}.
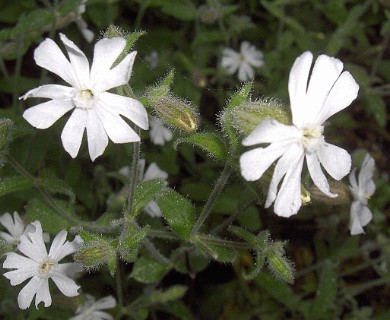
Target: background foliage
{"x":338,"y":276}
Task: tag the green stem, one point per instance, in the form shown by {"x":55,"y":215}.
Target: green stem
{"x":220,"y":184}
{"x":223,"y":242}
{"x":140,"y":14}
{"x":118,"y":284}
{"x":379,"y":57}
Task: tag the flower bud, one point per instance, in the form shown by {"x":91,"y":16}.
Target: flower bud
{"x":280,"y":266}
{"x":208,"y":14}
{"x":95,"y":254}
{"x":176,"y":113}
{"x":249,"y":115}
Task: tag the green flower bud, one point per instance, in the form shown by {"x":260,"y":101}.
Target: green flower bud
{"x":249,"y":115}
{"x":176,"y":113}
{"x":207,"y":14}
{"x":95,"y":254}
{"x":281,"y":267}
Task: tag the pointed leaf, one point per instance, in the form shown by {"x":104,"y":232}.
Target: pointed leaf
{"x":210,"y":143}
{"x":178,"y":212}
{"x":148,"y":270}
{"x":145,"y":192}
{"x":12,"y":184}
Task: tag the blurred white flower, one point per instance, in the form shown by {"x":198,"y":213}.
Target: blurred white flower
{"x":152,"y":59}
{"x":16,"y":227}
{"x":94,"y":108}
{"x":90,"y":310}
{"x":313,"y":101}
{"x":40,"y":266}
{"x":159,"y":133}
{"x":82,"y":25}
{"x":361,"y":190}
{"x":243,"y":61}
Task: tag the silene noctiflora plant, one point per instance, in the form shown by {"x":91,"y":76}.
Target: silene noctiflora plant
{"x":144,"y":218}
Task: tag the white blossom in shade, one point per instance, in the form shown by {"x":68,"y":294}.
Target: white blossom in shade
{"x":159,"y":133}
{"x":16,"y":227}
{"x":243,"y":61}
{"x":90,"y":310}
{"x":38,"y":265}
{"x":362,"y":189}
{"x":313,"y":101}
{"x":94,"y":108}
{"x":82,"y":25}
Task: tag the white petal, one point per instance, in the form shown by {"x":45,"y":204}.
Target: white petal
{"x":106,"y":303}
{"x":325,"y":72}
{"x":253,"y":163}
{"x":33,"y":246}
{"x":7,"y":237}
{"x":43,"y":294}
{"x":130,"y":108}
{"x":367,"y":171}
{"x":28,"y":292}
{"x":43,"y":115}
{"x":57,"y":246}
{"x":49,"y":56}
{"x":355,"y":224}
{"x":117,"y":76}
{"x":96,"y":135}
{"x":78,"y":61}
{"x":297,"y":86}
{"x":66,"y":285}
{"x":292,"y":156}
{"x":317,"y":175}
{"x":289,"y":199}
{"x":153,"y":210}
{"x":69,"y":269}
{"x":116,"y":128}
{"x":154,"y":172}
{"x":245,"y":72}
{"x":352,"y":180}
{"x":335,"y":160}
{"x":50,"y":91}
{"x":270,"y":130}
{"x":14,"y":226}
{"x":344,"y":91}
{"x":72,"y":134}
{"x":105,"y":53}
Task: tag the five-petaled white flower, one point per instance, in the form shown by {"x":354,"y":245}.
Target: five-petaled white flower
{"x":95,"y":109}
{"x":243,"y":61}
{"x":90,"y":310}
{"x":361,"y":190}
{"x":312,"y":103}
{"x":159,"y":133}
{"x":40,"y":266}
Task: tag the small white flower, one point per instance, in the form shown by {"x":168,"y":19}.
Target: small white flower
{"x":159,"y":133}
{"x":16,"y":227}
{"x":152,"y":59}
{"x":361,"y":190}
{"x":90,"y":310}
{"x":40,"y":266}
{"x":94,"y":108}
{"x":244,"y":61}
{"x":313,"y":101}
{"x":82,"y":25}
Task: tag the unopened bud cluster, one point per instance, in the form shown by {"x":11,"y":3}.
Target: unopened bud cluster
{"x":249,"y":115}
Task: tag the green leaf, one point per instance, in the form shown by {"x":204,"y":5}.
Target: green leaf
{"x":377,"y":108}
{"x":145,"y":192}
{"x":12,"y":184}
{"x":178,"y":211}
{"x":173,"y":293}
{"x":240,"y":96}
{"x":147,"y":270}
{"x":55,"y":185}
{"x":51,"y":222}
{"x":210,"y":143}
{"x":326,"y":291}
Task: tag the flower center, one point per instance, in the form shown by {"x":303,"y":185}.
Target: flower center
{"x":84,"y":99}
{"x":312,"y":138}
{"x":46,"y":267}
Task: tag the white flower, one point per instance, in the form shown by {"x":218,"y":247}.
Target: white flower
{"x":313,"y":101}
{"x":94,"y":108}
{"x":16,"y":227}
{"x":90,"y":310}
{"x":361,"y":190}
{"x":159,"y":134}
{"x":244,"y":61}
{"x":40,"y":266}
{"x":82,"y":25}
